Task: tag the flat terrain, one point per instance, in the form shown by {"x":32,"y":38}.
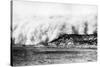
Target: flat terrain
{"x":40,"y":56}
{"x":68,"y":48}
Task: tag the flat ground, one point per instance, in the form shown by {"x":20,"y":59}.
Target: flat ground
{"x":40,"y":56}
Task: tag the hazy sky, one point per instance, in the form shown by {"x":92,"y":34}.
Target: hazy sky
{"x":27,"y":9}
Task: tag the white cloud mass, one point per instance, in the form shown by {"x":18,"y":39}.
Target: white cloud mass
{"x":34,"y":22}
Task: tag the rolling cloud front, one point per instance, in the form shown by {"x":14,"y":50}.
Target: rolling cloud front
{"x":35,"y":22}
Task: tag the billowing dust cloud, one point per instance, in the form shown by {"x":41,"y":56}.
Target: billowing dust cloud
{"x":34,"y":23}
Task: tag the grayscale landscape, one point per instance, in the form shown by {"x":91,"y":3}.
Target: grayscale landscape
{"x":53,"y":33}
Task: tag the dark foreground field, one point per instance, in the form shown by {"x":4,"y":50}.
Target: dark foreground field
{"x":27,"y":56}
{"x":65,"y":49}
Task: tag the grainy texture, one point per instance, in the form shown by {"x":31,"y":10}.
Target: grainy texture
{"x":53,"y":33}
{"x":35,"y":58}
